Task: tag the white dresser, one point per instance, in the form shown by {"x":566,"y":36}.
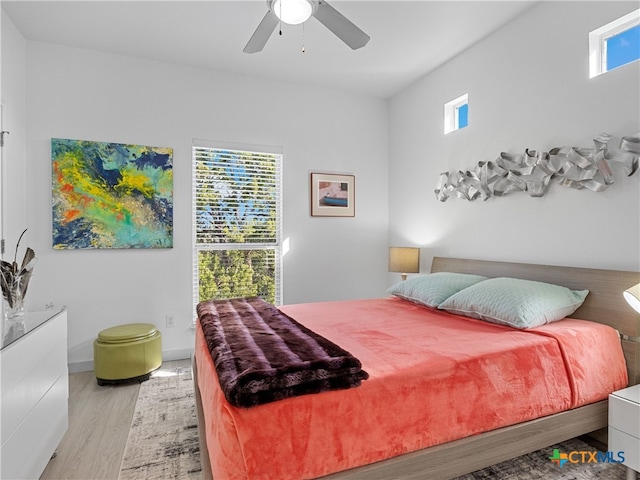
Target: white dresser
{"x":624,"y":427}
{"x":35,"y":393}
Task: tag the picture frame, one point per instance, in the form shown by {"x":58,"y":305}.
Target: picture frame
{"x":332,"y":195}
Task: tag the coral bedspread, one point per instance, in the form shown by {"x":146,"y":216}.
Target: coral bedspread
{"x":434,"y":377}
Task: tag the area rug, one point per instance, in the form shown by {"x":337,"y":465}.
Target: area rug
{"x":163,"y":442}
{"x":539,"y":466}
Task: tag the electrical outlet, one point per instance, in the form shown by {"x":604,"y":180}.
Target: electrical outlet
{"x":170,"y":321}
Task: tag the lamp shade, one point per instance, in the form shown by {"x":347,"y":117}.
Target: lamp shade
{"x":293,"y":12}
{"x":404,"y":259}
{"x":632,"y":296}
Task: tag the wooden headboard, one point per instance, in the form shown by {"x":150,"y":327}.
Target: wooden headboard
{"x":604,"y":304}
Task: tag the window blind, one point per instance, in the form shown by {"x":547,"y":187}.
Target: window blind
{"x":236,"y":217}
{"x":237,"y":197}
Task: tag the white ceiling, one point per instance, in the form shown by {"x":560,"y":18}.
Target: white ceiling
{"x":408,"y":38}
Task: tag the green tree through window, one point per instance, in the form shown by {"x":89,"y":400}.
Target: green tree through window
{"x":237,"y":223}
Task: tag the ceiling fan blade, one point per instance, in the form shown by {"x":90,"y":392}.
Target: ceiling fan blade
{"x":342,"y":28}
{"x":259,"y":38}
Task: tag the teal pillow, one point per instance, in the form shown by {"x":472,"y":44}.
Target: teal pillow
{"x":515,"y":302}
{"x":431,"y":290}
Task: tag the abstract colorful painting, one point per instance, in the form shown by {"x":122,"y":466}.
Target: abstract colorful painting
{"x":111,"y":195}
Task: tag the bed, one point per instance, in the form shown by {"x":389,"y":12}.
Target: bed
{"x":582,"y":408}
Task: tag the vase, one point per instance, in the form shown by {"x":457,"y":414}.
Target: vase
{"x":15,"y":311}
{"x":13,"y":324}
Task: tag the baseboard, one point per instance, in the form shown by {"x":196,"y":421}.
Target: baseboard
{"x":180,"y":354}
{"x":77,"y":367}
{"x":167,"y":356}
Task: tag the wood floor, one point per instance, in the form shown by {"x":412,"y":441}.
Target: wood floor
{"x":99,"y":422}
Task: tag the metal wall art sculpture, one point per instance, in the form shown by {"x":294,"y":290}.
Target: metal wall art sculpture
{"x":533,"y":171}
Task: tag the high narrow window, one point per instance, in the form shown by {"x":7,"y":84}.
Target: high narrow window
{"x":456,"y":114}
{"x":614,"y":44}
{"x":236,"y":218}
{"x":623,"y":48}
{"x":462,"y":112}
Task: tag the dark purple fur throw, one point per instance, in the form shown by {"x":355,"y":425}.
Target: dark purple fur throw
{"x":261,"y":355}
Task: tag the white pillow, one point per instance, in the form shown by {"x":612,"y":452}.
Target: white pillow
{"x":515,"y":302}
{"x":432,"y":289}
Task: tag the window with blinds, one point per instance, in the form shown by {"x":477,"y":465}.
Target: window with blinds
{"x":236,"y":218}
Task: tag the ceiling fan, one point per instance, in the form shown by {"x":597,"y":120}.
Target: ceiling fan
{"x":295,"y":12}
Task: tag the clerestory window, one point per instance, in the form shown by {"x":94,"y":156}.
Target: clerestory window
{"x":615,"y":44}
{"x":456,"y":114}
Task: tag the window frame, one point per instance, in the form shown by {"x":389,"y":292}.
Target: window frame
{"x":276,"y":246}
{"x":451,"y":113}
{"x":598,"y":42}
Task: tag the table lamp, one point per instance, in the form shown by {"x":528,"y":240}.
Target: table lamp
{"x":404,"y":260}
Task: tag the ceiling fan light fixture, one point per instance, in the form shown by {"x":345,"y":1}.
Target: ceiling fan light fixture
{"x":299,"y":11}
{"x":292,"y":12}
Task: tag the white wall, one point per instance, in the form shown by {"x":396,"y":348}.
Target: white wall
{"x":13,"y":100}
{"x":528,"y":87}
{"x":81,"y":94}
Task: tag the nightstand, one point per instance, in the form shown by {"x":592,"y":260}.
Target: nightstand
{"x":624,"y":427}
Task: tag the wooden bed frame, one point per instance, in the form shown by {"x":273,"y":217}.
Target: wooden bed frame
{"x":604,"y":304}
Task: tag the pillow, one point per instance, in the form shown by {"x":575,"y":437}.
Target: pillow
{"x":431,"y":290}
{"x":515,"y":302}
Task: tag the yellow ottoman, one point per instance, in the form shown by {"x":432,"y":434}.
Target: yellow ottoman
{"x":127,"y":352}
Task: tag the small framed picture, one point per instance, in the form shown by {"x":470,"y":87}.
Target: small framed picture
{"x":332,"y":195}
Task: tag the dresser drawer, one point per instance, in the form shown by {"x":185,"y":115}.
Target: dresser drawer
{"x":623,"y":442}
{"x":34,"y":395}
{"x":624,"y":415}
{"x":22,"y":397}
